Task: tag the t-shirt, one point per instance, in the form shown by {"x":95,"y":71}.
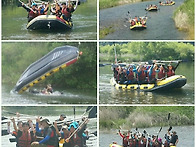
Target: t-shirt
{"x":174,"y":139}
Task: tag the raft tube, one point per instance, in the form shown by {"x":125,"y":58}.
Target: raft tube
{"x":115,"y":145}
{"x":52,"y":62}
{"x":165,"y":4}
{"x":138,"y":27}
{"x":51,"y":22}
{"x":152,"y":9}
{"x":176,"y":81}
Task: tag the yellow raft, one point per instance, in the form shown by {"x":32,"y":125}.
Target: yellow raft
{"x":176,"y":81}
{"x":167,"y":4}
{"x":115,"y":145}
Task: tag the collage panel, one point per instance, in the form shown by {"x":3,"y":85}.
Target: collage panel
{"x":146,"y":73}
{"x":49,"y":126}
{"x":152,"y":126}
{"x":146,"y":20}
{"x":49,"y":73}
{"x":49,"y":20}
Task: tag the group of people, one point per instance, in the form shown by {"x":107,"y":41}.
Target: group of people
{"x":143,"y":74}
{"x":62,"y":10}
{"x":152,"y":6}
{"x":143,"y":140}
{"x":138,"y":21}
{"x":166,"y":2}
{"x":45,"y":134}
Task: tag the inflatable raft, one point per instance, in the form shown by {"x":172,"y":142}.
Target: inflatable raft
{"x":153,"y":8}
{"x":138,"y":27}
{"x":167,"y":4}
{"x":176,"y":81}
{"x":115,"y":145}
{"x":55,"y":60}
{"x":52,"y":22}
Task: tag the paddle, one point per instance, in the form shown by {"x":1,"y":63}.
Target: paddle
{"x":12,"y":139}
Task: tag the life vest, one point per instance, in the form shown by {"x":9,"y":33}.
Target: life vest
{"x":75,"y":140}
{"x":32,"y":14}
{"x":161,"y":74}
{"x":153,"y":74}
{"x":170,"y":73}
{"x":53,"y":138}
{"x":66,"y":12}
{"x":130,"y":75}
{"x":24,"y":140}
{"x":142,"y":76}
{"x":125,"y":141}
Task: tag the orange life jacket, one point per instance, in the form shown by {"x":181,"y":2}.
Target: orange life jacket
{"x":25,"y":139}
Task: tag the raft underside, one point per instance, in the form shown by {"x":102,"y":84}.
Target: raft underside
{"x":177,"y":83}
{"x":53,"y":24}
{"x":41,"y":75}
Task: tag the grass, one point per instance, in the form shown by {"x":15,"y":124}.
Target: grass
{"x":187,"y":8}
{"x":105,"y":31}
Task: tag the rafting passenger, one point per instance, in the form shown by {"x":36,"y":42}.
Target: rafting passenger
{"x":153,"y":73}
{"x":56,"y":10}
{"x":174,"y":138}
{"x":42,"y":10}
{"x":64,"y":134}
{"x":24,"y":137}
{"x":76,"y":139}
{"x":130,"y":74}
{"x":32,"y":12}
{"x":125,"y":138}
{"x":49,"y":134}
{"x":141,"y":75}
{"x":162,"y":72}
{"x":47,"y":90}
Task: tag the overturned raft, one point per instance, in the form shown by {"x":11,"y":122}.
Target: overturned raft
{"x":51,"y":22}
{"x":52,"y":62}
{"x":176,"y":81}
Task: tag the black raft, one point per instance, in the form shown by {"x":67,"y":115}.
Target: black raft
{"x":52,"y":62}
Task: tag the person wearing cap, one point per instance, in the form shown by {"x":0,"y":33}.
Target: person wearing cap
{"x":61,"y":121}
{"x":174,"y":138}
{"x":32,"y":12}
{"x":49,"y":134}
{"x":24,"y":136}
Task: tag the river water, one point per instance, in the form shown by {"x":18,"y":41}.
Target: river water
{"x":160,"y":25}
{"x":109,"y":95}
{"x":69,"y":96}
{"x":14,"y":21}
{"x":185,"y":135}
{"x":91,"y":126}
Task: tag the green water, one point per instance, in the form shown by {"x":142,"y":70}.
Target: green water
{"x":14,"y":21}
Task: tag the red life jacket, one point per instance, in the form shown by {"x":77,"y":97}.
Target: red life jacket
{"x":161,"y":74}
{"x":125,"y":141}
{"x":153,"y":74}
{"x":75,"y":140}
{"x":66,"y":13}
{"x":25,"y":140}
{"x":170,"y":73}
{"x":142,"y":76}
{"x":32,"y":14}
{"x":131,"y":75}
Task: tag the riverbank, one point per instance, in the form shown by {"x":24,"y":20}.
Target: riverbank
{"x":103,"y":4}
{"x":144,"y":117}
{"x":184,"y":18}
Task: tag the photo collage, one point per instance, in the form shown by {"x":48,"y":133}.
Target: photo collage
{"x":97,"y":73}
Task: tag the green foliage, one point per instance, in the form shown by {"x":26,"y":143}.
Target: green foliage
{"x":144,"y":51}
{"x":143,"y":117}
{"x":16,"y":57}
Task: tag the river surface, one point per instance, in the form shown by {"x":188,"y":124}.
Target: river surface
{"x":69,"y":96}
{"x":91,"y":126}
{"x":185,"y":136}
{"x":14,"y":21}
{"x":109,"y":95}
{"x":160,"y":25}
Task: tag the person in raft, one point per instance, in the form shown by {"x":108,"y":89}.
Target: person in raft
{"x":47,"y":90}
{"x":32,"y":11}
